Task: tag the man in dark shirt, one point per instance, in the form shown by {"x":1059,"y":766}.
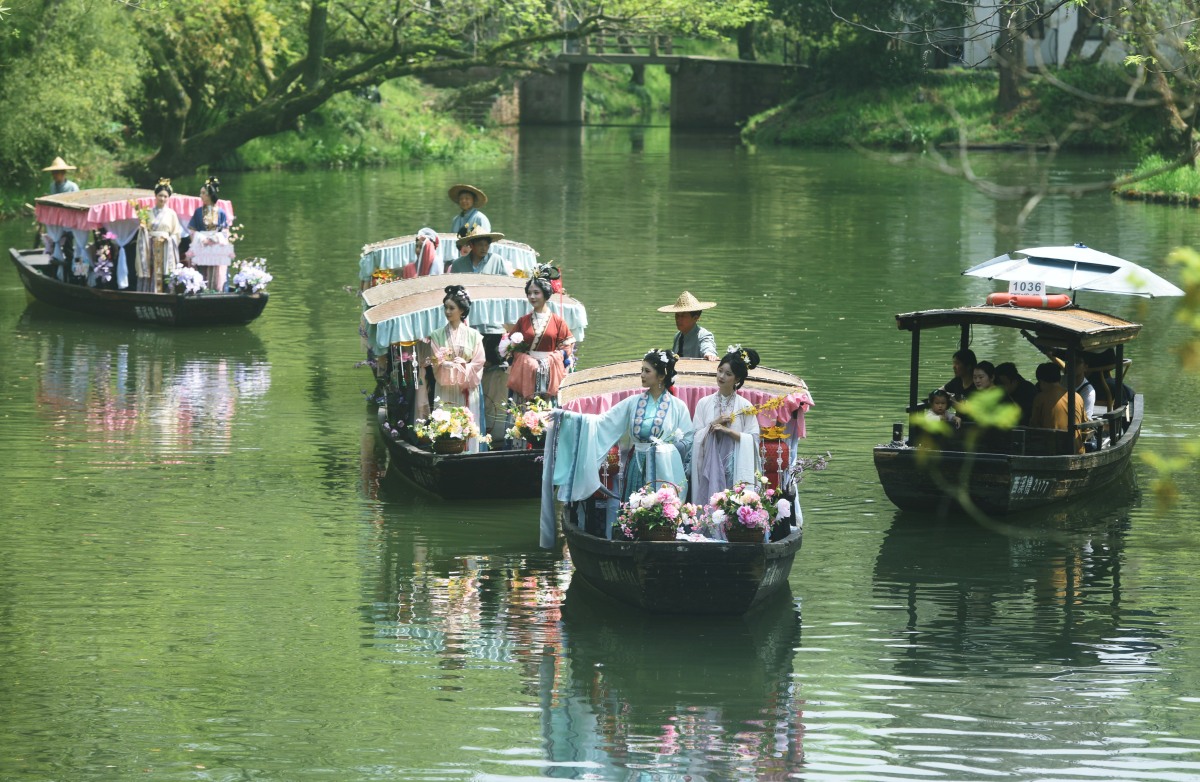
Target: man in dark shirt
{"x":1020,"y":391}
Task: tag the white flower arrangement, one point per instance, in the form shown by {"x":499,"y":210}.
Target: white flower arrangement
{"x":251,"y":276}
{"x":186,"y":280}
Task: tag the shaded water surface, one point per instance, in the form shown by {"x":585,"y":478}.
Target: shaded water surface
{"x":208,"y":574}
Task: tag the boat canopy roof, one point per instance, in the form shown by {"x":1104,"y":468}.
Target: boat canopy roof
{"x":597,"y":389}
{"x":1072,"y":327}
{"x":401,"y":251}
{"x":408,"y":310}
{"x":89,"y":209}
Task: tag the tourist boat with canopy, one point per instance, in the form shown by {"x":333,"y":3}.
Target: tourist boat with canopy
{"x":401,"y":313}
{"x":397,"y":258}
{"x":1002,"y":471}
{"x":682,"y":576}
{"x":69,"y":218}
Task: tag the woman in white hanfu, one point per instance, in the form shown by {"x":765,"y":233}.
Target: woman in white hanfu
{"x":654,"y":429}
{"x":455,"y":353}
{"x":725,"y":445}
{"x":158,"y":242}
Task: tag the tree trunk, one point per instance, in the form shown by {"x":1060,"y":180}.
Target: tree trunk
{"x":1009,"y":56}
{"x":745,"y":42}
{"x":317,"y":22}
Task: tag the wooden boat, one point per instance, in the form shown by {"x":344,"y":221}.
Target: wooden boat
{"x":679,"y":577}
{"x":86,"y":210}
{"x":1009,"y":471}
{"x":401,"y":312}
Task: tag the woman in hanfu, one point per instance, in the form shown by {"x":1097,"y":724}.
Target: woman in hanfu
{"x":654,"y":429}
{"x":725,"y":448}
{"x":538,"y":370}
{"x":210,"y":217}
{"x":455,"y":353}
{"x":158,"y":242}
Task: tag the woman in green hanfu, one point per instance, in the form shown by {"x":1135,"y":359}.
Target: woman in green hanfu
{"x":654,"y":429}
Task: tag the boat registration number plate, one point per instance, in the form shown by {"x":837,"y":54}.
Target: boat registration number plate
{"x":1027,"y":287}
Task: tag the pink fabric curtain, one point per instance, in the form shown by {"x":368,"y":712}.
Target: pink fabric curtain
{"x":796,"y":404}
{"x":103,"y":214}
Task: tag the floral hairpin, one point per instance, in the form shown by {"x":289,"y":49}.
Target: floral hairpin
{"x":740,"y":351}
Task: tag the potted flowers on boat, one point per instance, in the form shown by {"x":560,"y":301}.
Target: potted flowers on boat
{"x":745,"y":513}
{"x":529,"y":421}
{"x":657,"y":514}
{"x":186,"y":281}
{"x":447,"y":429}
{"x":250,"y":276}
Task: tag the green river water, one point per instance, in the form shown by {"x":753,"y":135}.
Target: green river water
{"x":206,"y":572}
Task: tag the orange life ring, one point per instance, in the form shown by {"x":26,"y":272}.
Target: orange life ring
{"x":1057,"y":301}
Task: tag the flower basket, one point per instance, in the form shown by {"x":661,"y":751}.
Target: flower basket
{"x":740,"y":534}
{"x":530,"y":419}
{"x":643,"y":533}
{"x":448,"y":428}
{"x":650,"y":512}
{"x":448,"y":445}
{"x":746,"y":514}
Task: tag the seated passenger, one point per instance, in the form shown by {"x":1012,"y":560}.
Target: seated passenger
{"x":1084,"y":388}
{"x":480,"y":259}
{"x":938,"y":408}
{"x":1020,"y":391}
{"x":1050,"y":405}
{"x":962,"y":384}
{"x":426,"y":249}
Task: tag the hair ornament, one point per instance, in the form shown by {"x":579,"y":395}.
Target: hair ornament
{"x":741,"y":351}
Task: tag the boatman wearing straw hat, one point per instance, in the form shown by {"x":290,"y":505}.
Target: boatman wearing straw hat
{"x":469,"y":198}
{"x":692,"y":341}
{"x":58,"y":173}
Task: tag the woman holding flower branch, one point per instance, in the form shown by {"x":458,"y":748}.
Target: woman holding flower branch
{"x":537,"y":361}
{"x":455,"y":354}
{"x":158,"y":241}
{"x":725,"y":448}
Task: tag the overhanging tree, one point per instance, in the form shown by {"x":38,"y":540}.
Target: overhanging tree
{"x":228,"y":71}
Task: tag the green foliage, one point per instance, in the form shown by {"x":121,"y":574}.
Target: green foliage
{"x":71,"y":87}
{"x":351,"y":131}
{"x":942,"y":103}
{"x":609,"y":95}
{"x":1182,"y":182}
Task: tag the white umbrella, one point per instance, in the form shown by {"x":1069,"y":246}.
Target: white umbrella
{"x":1076,"y":268}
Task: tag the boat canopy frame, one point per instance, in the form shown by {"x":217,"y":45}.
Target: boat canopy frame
{"x":1073,"y":330}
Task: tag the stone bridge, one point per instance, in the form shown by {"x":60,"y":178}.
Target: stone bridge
{"x":706,"y":92}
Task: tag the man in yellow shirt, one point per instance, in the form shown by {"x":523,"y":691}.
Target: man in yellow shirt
{"x":1050,"y":405}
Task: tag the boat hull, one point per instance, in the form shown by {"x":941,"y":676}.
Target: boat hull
{"x":920,"y":479}
{"x":166,"y":309}
{"x":678,"y":577}
{"x":492,"y":475}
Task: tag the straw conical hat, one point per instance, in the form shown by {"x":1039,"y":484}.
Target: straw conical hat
{"x":59,"y":165}
{"x":477,"y":234}
{"x":480,"y":196}
{"x":687,"y":303}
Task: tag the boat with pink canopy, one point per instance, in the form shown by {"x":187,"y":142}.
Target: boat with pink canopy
{"x":69,"y":220}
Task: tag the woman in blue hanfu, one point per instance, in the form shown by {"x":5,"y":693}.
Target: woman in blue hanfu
{"x":469,"y":198}
{"x":654,"y":429}
{"x":455,"y":354}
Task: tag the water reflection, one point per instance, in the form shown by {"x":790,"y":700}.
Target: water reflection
{"x":1047,"y":590}
{"x":134,"y":392}
{"x":671,"y":697}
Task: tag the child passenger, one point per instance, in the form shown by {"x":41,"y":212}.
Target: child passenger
{"x":939,"y":408}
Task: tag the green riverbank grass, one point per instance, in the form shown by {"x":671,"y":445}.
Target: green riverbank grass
{"x":1179,"y":186}
{"x":402,"y":127}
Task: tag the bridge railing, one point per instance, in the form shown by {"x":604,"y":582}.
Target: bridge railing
{"x":652,"y":44}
